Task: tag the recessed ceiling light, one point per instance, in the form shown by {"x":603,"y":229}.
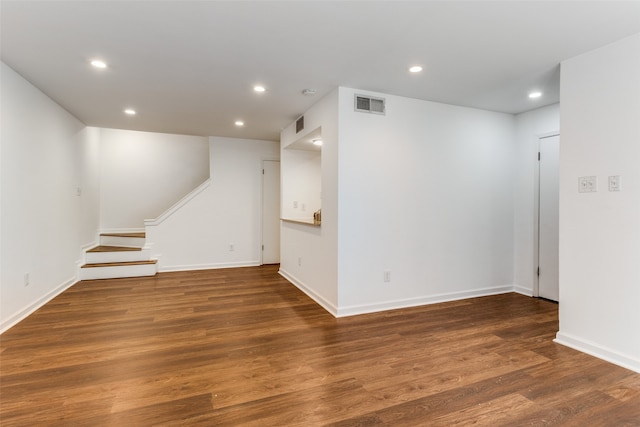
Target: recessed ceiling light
{"x":99,"y":64}
{"x":239,"y":123}
{"x":130,"y":112}
{"x":259,"y":88}
{"x":415,"y":69}
{"x":316,"y":141}
{"x":308,"y":92}
{"x":535,"y":94}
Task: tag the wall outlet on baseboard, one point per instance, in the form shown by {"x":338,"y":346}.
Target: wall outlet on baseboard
{"x":232,"y":247}
{"x":299,"y":261}
{"x":26,"y":279}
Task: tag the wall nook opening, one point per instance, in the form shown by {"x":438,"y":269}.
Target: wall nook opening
{"x":301,"y":179}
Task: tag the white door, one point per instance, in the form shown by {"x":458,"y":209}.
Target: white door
{"x":270,"y":212}
{"x":548,"y":217}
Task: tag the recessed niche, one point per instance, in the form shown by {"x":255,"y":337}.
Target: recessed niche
{"x":301,"y":163}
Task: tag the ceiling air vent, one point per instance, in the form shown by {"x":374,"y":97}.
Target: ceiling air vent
{"x":369,"y":104}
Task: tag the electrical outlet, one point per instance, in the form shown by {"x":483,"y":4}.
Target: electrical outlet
{"x":387,"y":276}
{"x":614,"y":183}
{"x":232,"y":247}
{"x":587,"y":184}
{"x":295,"y":204}
{"x":26,"y":279}
{"x":299,"y":261}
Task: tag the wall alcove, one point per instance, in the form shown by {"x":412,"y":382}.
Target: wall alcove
{"x":301,"y":163}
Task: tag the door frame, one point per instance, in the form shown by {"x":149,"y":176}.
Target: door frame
{"x":536,"y":212}
{"x":262,"y":162}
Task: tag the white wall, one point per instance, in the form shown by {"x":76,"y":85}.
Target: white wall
{"x":529,"y":127}
{"x":144,"y":173}
{"x":308,"y":254}
{"x":47,"y":154}
{"x":228,"y":211}
{"x":89,"y":185}
{"x":600,"y":232}
{"x":426,"y":192}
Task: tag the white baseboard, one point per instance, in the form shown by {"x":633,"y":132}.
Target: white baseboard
{"x":523,"y":291}
{"x":170,"y":268}
{"x":598,"y":351}
{"x":88,"y":246}
{"x":25,"y":312}
{"x":423,"y":300}
{"x":390,"y":305}
{"x":323,"y":302}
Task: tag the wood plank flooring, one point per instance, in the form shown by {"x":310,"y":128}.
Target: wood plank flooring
{"x":243,"y":347}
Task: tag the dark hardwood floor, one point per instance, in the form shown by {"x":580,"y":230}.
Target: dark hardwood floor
{"x":243,"y":347}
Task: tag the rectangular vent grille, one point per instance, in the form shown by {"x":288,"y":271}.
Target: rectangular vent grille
{"x":369,"y":104}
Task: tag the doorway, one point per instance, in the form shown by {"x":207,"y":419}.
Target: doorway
{"x":270,"y":212}
{"x":548,"y":216}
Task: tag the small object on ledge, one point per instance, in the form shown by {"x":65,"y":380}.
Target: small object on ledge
{"x":317,"y":217}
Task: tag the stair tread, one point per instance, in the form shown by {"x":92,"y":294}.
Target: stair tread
{"x":104,"y":248}
{"x":120,"y":264}
{"x":137,"y":235}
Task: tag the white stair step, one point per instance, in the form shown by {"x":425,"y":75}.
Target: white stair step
{"x":118,"y":270}
{"x":110,"y":254}
{"x":133,"y":240}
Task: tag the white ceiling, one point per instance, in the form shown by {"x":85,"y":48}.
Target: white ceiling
{"x":188,"y":67}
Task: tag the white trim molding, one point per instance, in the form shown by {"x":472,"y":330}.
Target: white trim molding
{"x":215,"y":266}
{"x":523,"y":291}
{"x":178,"y":205}
{"x":35,"y":305}
{"x":322,"y":301}
{"x":395,"y":304}
{"x":423,"y":300}
{"x":598,"y":351}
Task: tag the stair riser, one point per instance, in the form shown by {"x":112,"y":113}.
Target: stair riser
{"x":118,"y":272}
{"x":131,"y":242}
{"x":120,"y":256}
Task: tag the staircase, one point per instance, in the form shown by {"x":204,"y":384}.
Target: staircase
{"x":118,"y":255}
